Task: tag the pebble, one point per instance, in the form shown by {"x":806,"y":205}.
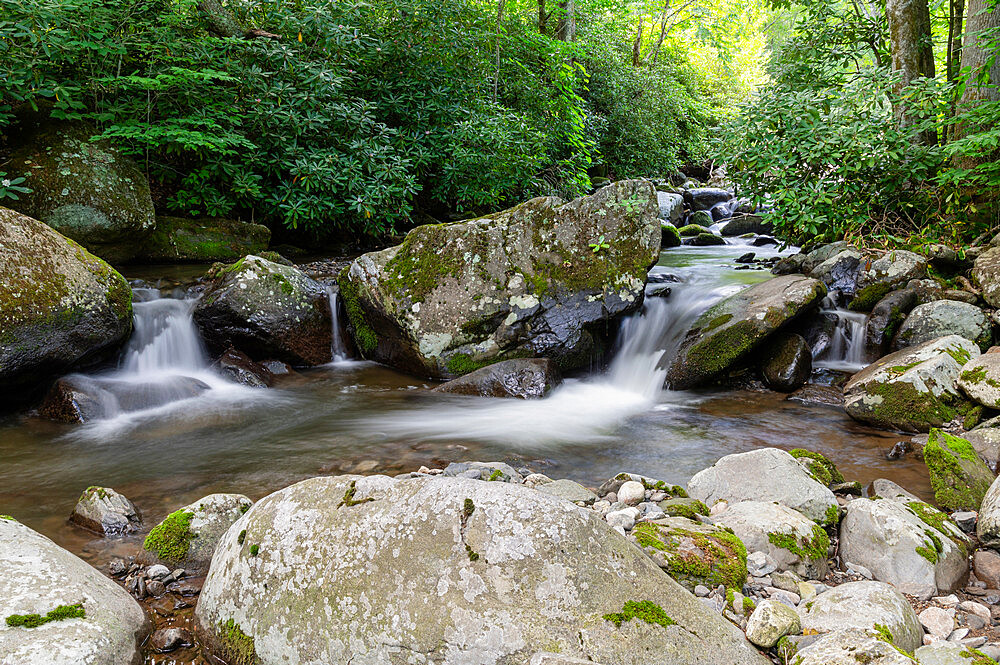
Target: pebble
{"x":759,"y":564}
{"x":701,"y":591}
{"x":958,"y":635}
{"x":155,"y":588}
{"x":807,"y":591}
{"x":117,"y":567}
{"x":975,"y":622}
{"x":157,"y":572}
{"x":535,"y":479}
{"x":786,"y":597}
{"x":718,"y":507}
{"x":857,"y":569}
{"x":965,"y":519}
{"x":657,"y":496}
{"x":938,"y":622}
{"x":973,"y":607}
{"x":623,"y":519}
{"x":787,"y":581}
{"x":602,"y":507}
{"x":974,"y":642}
{"x":169,"y":639}
{"x":951,"y":600}
{"x":631,"y":493}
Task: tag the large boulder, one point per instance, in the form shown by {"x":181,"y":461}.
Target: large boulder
{"x":885,"y":319}
{"x":959,"y":477}
{"x":266,"y":310}
{"x":60,"y":306}
{"x":864,"y":605}
{"x":694,"y":553}
{"x":706,"y":198}
{"x":945,"y":317}
{"x":671,"y":207}
{"x":86,"y":190}
{"x":840,"y":271}
{"x":58,"y":609}
{"x":980,"y":380}
{"x":988,"y":524}
{"x":187,"y":538}
{"x":817,"y":256}
{"x":446,"y":569}
{"x":746,"y":223}
{"x":788,"y":363}
{"x":178,"y":239}
{"x":986,"y":273}
{"x":913,"y":389}
{"x":731,"y":331}
{"x":894,"y":542}
{"x":892,"y":270}
{"x":852,"y":646}
{"x":765,"y":474}
{"x":544,"y":279}
{"x":531,"y":378}
{"x":790,"y":539}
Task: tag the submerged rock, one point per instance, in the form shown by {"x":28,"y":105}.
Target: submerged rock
{"x":187,"y":538}
{"x":959,"y":477}
{"x":86,"y":190}
{"x":765,"y":474}
{"x":105,"y":511}
{"x":266,"y":310}
{"x":486,"y":571}
{"x":522,"y":378}
{"x":60,"y":306}
{"x":864,"y":605}
{"x":58,"y":609}
{"x":730,"y":331}
{"x":788,"y":364}
{"x":945,"y":317}
{"x":177,"y":239}
{"x":83,"y":399}
{"x":913,"y":389}
{"x":544,"y":279}
{"x":240,"y":368}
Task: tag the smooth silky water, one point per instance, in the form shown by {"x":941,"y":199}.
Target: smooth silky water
{"x":359,"y":416}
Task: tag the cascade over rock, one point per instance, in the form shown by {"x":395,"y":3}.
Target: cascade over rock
{"x":532,"y":281}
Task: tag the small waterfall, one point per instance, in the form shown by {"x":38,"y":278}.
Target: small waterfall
{"x":164,"y":338}
{"x":846,"y":352}
{"x":338,"y":350}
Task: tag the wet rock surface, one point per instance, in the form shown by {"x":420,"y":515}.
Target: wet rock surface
{"x":524,"y":379}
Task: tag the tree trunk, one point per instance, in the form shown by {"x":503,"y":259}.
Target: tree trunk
{"x":637,"y":44}
{"x":221,"y":21}
{"x":981,"y":64}
{"x":543,"y":17}
{"x":911,"y":47}
{"x":956,"y":16}
{"x":566,"y":25}
{"x":663,"y":29}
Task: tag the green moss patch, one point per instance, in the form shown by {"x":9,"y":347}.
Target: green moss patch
{"x":364,"y":334}
{"x":866,"y":299}
{"x":806,"y":548}
{"x":237,"y":645}
{"x":959,"y":478}
{"x":819,"y":465}
{"x":349,"y":499}
{"x":35,"y":620}
{"x":171,"y":538}
{"x":643,"y":610}
{"x":720,"y":557}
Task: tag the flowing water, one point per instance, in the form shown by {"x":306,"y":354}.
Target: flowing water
{"x":353,"y":416}
{"x":846,"y":352}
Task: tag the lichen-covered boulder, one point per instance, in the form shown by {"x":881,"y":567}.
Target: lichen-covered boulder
{"x":885,"y":319}
{"x":913,"y":389}
{"x":693,"y":553}
{"x":765,"y":474}
{"x":986,"y":273}
{"x":731,"y":331}
{"x":669,"y":236}
{"x":86,"y":190}
{"x":904,"y":546}
{"x":980,"y":380}
{"x":840,"y":271}
{"x":187,"y":537}
{"x":790,"y":539}
{"x":959,"y":477}
{"x":892,"y":270}
{"x":529,"y":378}
{"x":58,"y":609}
{"x":865,"y":606}
{"x":945,"y":317}
{"x":372,"y":570}
{"x":178,"y":240}
{"x":788,"y":363}
{"x":544,"y":279}
{"x":671,"y":207}
{"x":852,"y":646}
{"x":266,"y":310}
{"x":60,"y":306}
{"x":105,"y":511}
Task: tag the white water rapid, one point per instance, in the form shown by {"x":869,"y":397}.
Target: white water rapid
{"x":846,"y":352}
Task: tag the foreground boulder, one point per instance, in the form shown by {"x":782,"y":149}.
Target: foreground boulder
{"x":913,"y":389}
{"x":765,"y":474}
{"x":60,"y":306}
{"x":452,"y":569}
{"x":177,"y":239}
{"x":788,"y":363}
{"x":864,"y":605}
{"x":266,"y":310}
{"x":732,"y":330}
{"x":852,"y":646}
{"x":105,"y":511}
{"x":525,"y":379}
{"x":58,"y":609}
{"x":959,"y":477}
{"x":187,"y":538}
{"x":945,"y":317}
{"x":86,"y":190}
{"x":898,"y":546}
{"x":544,"y":279}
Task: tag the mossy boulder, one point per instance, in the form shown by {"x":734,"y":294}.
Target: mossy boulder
{"x":746,"y":223}
{"x":693,"y":553}
{"x":788,"y":363}
{"x":945,"y":317}
{"x":179,"y":240}
{"x":980,"y":380}
{"x":61,"y":307}
{"x":913,"y":389}
{"x":820,"y":254}
{"x":852,"y":646}
{"x":908,"y":547}
{"x":187,"y":537}
{"x":57,"y":609}
{"x":959,"y":478}
{"x":545,"y":279}
{"x":818,"y":465}
{"x":669,"y":235}
{"x":707,"y":239}
{"x":693,"y":230}
{"x":86,"y":190}
{"x":732,"y":331}
{"x":105,"y":511}
{"x":892,"y":270}
{"x":267,"y":310}
{"x":449,"y":569}
{"x":789,"y":538}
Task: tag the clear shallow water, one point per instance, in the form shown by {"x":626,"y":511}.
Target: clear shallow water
{"x":358,"y":416}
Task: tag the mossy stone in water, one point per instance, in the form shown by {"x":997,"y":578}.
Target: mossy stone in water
{"x":691,"y":230}
{"x":788,"y":363}
{"x":671,"y":237}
